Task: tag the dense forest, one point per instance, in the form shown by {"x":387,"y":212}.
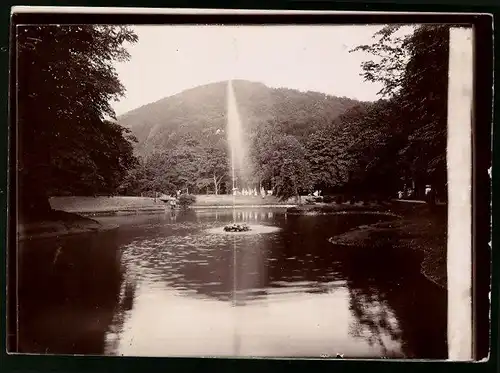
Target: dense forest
{"x":303,"y":141}
{"x":70,"y":142}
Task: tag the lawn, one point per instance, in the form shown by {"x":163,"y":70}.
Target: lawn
{"x":101,"y":204}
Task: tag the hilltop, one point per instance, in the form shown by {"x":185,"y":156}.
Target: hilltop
{"x":163,"y":124}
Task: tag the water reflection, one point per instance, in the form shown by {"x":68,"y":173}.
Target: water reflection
{"x":67,"y":294}
{"x":390,"y":300}
{"x":164,"y":286}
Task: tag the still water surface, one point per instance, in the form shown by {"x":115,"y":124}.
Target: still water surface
{"x":173,"y":285}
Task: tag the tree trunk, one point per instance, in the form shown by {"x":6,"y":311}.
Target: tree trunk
{"x":215,"y":185}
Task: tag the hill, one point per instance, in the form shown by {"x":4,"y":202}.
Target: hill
{"x":163,"y":124}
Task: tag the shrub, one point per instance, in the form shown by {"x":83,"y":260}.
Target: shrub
{"x":186,"y":200}
{"x":328,"y":199}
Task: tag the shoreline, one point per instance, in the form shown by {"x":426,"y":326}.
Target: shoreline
{"x":65,"y":232}
{"x":59,"y":223}
{"x":415,"y":230}
{"x":158,"y":210}
{"x":412,"y":228}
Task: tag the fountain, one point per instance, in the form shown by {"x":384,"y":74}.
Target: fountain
{"x":240,"y":170}
{"x":238,"y":149}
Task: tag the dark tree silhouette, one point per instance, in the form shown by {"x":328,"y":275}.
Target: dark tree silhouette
{"x":68,"y":142}
{"x":414,"y":72}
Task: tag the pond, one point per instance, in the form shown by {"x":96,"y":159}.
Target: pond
{"x":173,"y":285}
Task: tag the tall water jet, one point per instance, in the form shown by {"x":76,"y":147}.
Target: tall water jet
{"x":237,"y":146}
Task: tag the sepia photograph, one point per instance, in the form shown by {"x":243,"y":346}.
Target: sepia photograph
{"x":224,"y":190}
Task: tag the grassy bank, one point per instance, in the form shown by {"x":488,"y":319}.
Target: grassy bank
{"x":124,"y":204}
{"x":58,"y":223}
{"x":92,"y":204}
{"x":419,"y":227}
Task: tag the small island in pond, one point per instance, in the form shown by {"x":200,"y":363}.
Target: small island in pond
{"x":237,"y":228}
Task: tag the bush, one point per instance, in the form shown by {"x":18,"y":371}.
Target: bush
{"x":328,"y":199}
{"x":186,"y":200}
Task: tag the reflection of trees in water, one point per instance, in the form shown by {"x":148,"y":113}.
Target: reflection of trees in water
{"x":390,"y":298}
{"x":393,"y":304}
{"x":68,"y":291}
{"x":122,"y":311}
{"x":374,"y":320}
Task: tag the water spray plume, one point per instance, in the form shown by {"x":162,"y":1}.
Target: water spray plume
{"x":235,"y":139}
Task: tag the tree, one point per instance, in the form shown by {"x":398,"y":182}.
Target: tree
{"x":66,"y":81}
{"x":281,"y":159}
{"x":366,"y":140}
{"x":414,"y":71}
{"x":138,"y":180}
{"x":290,"y":167}
{"x":326,"y":163}
{"x":173,"y":170}
{"x":390,"y":56}
{"x":263,"y":140}
{"x":214,"y":160}
{"x":425,"y":93}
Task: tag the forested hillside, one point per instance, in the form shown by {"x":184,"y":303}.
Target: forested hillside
{"x":164,"y":124}
{"x":182,"y":139}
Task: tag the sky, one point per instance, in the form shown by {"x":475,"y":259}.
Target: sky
{"x":169,"y":59}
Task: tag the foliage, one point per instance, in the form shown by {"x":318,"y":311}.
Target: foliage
{"x":66,"y":81}
{"x":186,"y":200}
{"x":425,"y":93}
{"x":214,"y":167}
{"x":328,"y":199}
{"x":327,"y":164}
{"x":304,"y":140}
{"x":417,"y":88}
{"x":188,"y":166}
{"x":284,"y":162}
{"x":390,"y":56}
{"x":195,"y":112}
